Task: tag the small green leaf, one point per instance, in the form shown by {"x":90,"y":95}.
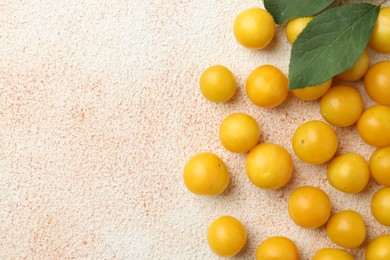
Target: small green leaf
{"x":330,"y":44}
{"x":283,"y":10}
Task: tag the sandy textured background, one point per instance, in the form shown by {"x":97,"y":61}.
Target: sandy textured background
{"x":99,"y":111}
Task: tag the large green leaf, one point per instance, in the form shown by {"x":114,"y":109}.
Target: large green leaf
{"x":283,"y":10}
{"x":330,"y":44}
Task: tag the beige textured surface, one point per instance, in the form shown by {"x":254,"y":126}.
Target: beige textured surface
{"x":99,"y":111}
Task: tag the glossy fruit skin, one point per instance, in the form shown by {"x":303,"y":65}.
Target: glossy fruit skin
{"x":226,"y":236}
{"x":341,"y":106}
{"x":313,"y":92}
{"x":380,"y":165}
{"x":239,"y":133}
{"x":254,"y":28}
{"x":267,"y":86}
{"x":218,"y":84}
{"x":347,"y":229}
{"x":277,"y":248}
{"x":348,"y":173}
{"x":269,"y":166}
{"x":332,"y":254}
{"x":380,"y":206}
{"x":374,"y":126}
{"x":377,"y":82}
{"x":380,"y":37}
{"x":358,"y":70}
{"x":206,"y":174}
{"x":379,"y":248}
{"x":295,"y":27}
{"x":314,"y":142}
{"x":309,"y":207}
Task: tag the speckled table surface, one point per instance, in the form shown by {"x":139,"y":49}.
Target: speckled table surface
{"x":100,"y":109}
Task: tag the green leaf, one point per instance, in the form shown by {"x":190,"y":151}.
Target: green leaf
{"x":330,"y":44}
{"x":283,"y":10}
